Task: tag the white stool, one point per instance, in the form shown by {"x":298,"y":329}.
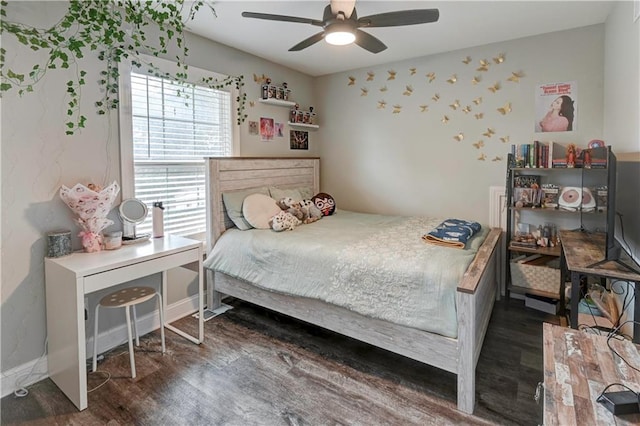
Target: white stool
{"x":125,"y":298}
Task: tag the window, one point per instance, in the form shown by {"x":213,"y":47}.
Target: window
{"x":173,"y":126}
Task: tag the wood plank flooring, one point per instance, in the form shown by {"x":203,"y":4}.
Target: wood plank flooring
{"x":260,"y":368}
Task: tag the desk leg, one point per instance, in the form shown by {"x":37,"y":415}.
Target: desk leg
{"x":575,"y":298}
{"x":66,"y":355}
{"x":168,"y":326}
{"x":636,"y":312}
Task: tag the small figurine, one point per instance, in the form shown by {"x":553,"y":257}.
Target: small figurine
{"x":586,"y":158}
{"x":312,"y":116}
{"x":265,"y":88}
{"x":571,"y":156}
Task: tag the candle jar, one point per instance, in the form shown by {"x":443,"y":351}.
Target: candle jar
{"x":113,"y":240}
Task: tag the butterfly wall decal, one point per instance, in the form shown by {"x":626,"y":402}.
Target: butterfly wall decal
{"x":479,"y":115}
{"x":424,"y":108}
{"x":445,"y":119}
{"x":504,"y":139}
{"x":484,"y":65}
{"x":412,"y":71}
{"x":478,"y":100}
{"x":516,"y":76}
{"x":476,"y":79}
{"x":499,"y":59}
{"x":352,"y":80}
{"x":431,"y":76}
{"x":489,"y":133}
{"x":482,"y":157}
{"x":383,"y":89}
{"x":497,"y":158}
{"x":454,"y":106}
{"x":452,"y":79}
{"x":506,"y":109}
{"x":467,"y":60}
{"x":459,"y":137}
{"x":392,"y":75}
{"x":382,"y":104}
{"x":397,"y":109}
{"x":479,"y":144}
{"x":494,"y":88}
{"x":370,"y":75}
{"x":408,"y":91}
{"x":436,"y":97}
{"x":466,"y":109}
{"x":364,"y":91}
{"x":260,"y":79}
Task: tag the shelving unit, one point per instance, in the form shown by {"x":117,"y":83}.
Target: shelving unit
{"x":304,"y":126}
{"x":289,"y":104}
{"x":277,"y":102}
{"x":537,"y":275}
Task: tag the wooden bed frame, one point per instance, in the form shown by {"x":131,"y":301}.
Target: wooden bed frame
{"x":475,"y":294}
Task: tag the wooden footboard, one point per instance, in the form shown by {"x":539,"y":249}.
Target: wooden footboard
{"x":475,"y":296}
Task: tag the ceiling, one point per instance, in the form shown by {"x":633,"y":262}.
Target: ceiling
{"x":462,"y":24}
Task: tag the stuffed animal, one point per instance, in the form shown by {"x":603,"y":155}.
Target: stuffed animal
{"x":310,"y":210}
{"x":293,"y":207}
{"x":325,"y":203}
{"x":284,"y":221}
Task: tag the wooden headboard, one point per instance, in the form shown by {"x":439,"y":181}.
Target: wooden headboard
{"x":227,"y":174}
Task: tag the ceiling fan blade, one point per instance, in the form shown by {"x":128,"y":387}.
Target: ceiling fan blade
{"x":284,"y":18}
{"x":399,"y":18}
{"x":344,"y":6}
{"x":307,"y":42}
{"x":369,"y":42}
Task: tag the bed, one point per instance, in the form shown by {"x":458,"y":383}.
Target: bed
{"x":455,"y":350}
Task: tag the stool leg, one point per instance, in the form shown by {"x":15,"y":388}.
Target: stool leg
{"x":135,"y":325}
{"x":131,"y":358}
{"x":95,"y":339}
{"x":161,"y":309}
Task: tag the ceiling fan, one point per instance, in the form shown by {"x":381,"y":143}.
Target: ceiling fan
{"x":341,"y":25}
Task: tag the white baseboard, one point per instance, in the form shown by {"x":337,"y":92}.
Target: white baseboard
{"x":19,"y":376}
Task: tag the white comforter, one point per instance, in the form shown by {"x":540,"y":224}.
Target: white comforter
{"x":376,"y":265}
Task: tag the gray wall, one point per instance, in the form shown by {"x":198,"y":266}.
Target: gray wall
{"x":409,"y":162}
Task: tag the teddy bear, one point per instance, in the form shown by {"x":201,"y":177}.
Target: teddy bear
{"x":284,"y":221}
{"x":293,"y":207}
{"x":311,"y":212}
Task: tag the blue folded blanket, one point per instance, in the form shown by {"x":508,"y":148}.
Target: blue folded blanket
{"x":452,"y":233}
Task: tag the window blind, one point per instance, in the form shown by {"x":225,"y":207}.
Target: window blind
{"x":175,"y":126}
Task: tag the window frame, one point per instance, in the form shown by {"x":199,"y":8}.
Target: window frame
{"x":195,"y":76}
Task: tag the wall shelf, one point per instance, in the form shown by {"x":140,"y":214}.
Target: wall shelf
{"x":303,"y":125}
{"x":277,"y":102}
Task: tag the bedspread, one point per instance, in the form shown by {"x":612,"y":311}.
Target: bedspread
{"x":375,"y":265}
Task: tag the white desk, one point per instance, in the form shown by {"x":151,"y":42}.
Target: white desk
{"x":69,"y":278}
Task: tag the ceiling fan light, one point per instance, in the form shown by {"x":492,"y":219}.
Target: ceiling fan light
{"x":339,"y":35}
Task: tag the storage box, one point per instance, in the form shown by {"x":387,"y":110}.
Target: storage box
{"x":544,"y":304}
{"x":537,"y":277}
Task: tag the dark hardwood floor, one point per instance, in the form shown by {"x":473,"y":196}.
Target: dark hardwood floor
{"x":260,"y":368}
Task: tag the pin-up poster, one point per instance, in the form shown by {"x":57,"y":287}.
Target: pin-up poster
{"x":556,"y":107}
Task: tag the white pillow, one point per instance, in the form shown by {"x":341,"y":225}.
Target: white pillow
{"x":257,"y":209}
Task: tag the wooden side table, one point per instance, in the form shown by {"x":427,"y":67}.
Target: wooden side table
{"x":578,"y":366}
{"x":580,"y":250}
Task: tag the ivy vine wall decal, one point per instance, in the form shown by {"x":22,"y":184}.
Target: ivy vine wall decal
{"x":415,"y":94}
